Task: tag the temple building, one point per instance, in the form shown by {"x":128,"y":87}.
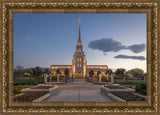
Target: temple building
{"x":79,"y":67}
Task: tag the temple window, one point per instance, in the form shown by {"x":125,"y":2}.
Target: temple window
{"x":79,"y":49}
{"x":80,"y":59}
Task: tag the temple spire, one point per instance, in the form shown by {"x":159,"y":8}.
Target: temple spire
{"x":79,"y":37}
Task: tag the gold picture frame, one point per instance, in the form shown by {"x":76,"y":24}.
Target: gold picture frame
{"x":8,"y":7}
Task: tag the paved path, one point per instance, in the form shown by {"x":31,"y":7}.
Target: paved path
{"x":78,"y":92}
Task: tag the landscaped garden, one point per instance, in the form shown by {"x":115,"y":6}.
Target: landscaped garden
{"x":125,"y":93}
{"x":124,"y":81}
{"x":129,"y":96}
{"x":17,"y":89}
{"x":141,"y":89}
{"x":42,"y":87}
{"x":28,"y":97}
{"x":28,"y":81}
{"x":114,"y":87}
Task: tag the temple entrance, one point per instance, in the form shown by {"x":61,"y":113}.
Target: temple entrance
{"x":79,"y":74}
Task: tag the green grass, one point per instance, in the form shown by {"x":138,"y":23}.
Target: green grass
{"x":114,"y":87}
{"x":28,"y":81}
{"x":17,"y":89}
{"x":130,"y":81}
{"x":128,"y":86}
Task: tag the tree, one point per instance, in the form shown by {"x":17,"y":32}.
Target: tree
{"x":99,"y":72}
{"x":138,"y":73}
{"x":19,"y":70}
{"x":66,"y":72}
{"x":120,"y":71}
{"x":14,"y":73}
{"x":91,"y":73}
{"x":47,"y":71}
{"x":58,"y":71}
{"x":109,"y":71}
{"x":37,"y":71}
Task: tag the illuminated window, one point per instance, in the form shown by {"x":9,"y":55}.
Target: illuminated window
{"x":80,"y":59}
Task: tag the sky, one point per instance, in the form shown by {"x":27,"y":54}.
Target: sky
{"x":115,"y":40}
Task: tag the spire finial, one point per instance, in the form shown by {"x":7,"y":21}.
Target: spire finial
{"x":79,"y":21}
{"x":79,"y":38}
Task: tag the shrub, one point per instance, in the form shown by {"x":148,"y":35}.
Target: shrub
{"x":141,"y":88}
{"x":54,"y":78}
{"x":104,"y":79}
{"x":17,"y":89}
{"x":28,"y":81}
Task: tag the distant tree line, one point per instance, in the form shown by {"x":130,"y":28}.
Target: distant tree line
{"x":19,"y":71}
{"x":121,"y":72}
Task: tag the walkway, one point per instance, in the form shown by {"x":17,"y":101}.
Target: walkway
{"x":79,"y":92}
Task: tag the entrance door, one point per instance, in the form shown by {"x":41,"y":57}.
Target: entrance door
{"x":79,"y":74}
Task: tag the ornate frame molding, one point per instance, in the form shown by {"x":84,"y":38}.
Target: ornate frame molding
{"x":150,"y":8}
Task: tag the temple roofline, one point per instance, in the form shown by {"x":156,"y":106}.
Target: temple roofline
{"x":61,"y":65}
{"x":97,"y":65}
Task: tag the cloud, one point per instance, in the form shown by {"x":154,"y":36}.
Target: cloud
{"x":111,"y":45}
{"x":106,"y":45}
{"x":28,"y":37}
{"x":130,"y":57}
{"x":137,"y":48}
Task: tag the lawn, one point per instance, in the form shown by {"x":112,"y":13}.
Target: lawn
{"x":17,"y":89}
{"x":28,"y":81}
{"x":43,"y":87}
{"x":121,"y":81}
{"x":114,"y":87}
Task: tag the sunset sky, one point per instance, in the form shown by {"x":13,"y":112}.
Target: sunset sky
{"x":116,"y":40}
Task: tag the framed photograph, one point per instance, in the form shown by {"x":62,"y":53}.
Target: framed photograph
{"x":79,"y":57}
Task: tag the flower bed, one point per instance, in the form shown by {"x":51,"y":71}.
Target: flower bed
{"x":42,"y":87}
{"x":129,"y":96}
{"x":114,"y":87}
{"x":39,"y":88}
{"x":28,"y":97}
